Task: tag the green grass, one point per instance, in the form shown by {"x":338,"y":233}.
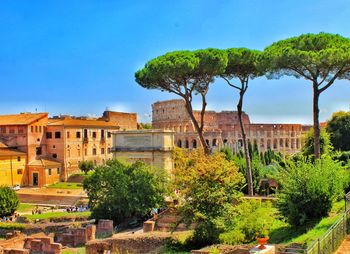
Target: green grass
{"x":281,"y":232}
{"x":80,"y":250}
{"x":12,"y":225}
{"x":65,"y":185}
{"x":24,"y":208}
{"x":54,"y":215}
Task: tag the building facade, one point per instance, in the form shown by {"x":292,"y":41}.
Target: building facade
{"x":53,"y":147}
{"x":223,"y":129}
{"x":154,"y":147}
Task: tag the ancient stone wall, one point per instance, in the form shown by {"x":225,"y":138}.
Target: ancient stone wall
{"x":223,"y":129}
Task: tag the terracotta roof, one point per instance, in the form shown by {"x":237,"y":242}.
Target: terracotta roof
{"x":82,"y":123}
{"x":46,"y":163}
{"x":21,"y":119}
{"x":10,"y":152}
{"x":3,"y":145}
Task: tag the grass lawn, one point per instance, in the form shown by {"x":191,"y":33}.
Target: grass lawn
{"x":80,"y":250}
{"x":281,"y":232}
{"x":65,"y":185}
{"x":25,"y":208}
{"x":12,"y":225}
{"x":52,"y":215}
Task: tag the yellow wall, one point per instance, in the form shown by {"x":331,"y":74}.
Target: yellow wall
{"x":5,"y":170}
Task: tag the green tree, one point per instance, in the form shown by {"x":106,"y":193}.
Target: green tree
{"x":186,"y":74}
{"x":241,"y":67}
{"x":309,"y":190}
{"x":308,"y":146}
{"x":119,"y":191}
{"x":319,"y":58}
{"x":146,"y":126}
{"x":8,"y":201}
{"x":86,"y":166}
{"x":206,"y":183}
{"x":339,"y":129}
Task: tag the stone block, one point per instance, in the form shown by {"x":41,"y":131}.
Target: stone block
{"x":148,"y":226}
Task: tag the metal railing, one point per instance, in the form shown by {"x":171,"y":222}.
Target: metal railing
{"x":330,"y":241}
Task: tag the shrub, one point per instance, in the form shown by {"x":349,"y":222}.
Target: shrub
{"x":8,"y":201}
{"x":86,"y":166}
{"x":119,"y":191}
{"x":309,"y":190}
{"x":242,"y":222}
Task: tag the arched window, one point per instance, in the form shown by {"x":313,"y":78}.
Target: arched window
{"x":179,"y":143}
{"x":281,"y":142}
{"x":275,"y":144}
{"x":214,"y":142}
{"x":194,"y":143}
{"x":268,"y":144}
{"x":207,"y":141}
{"x":187,"y":145}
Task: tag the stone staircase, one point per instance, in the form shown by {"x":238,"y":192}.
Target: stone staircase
{"x":167,"y":220}
{"x":344,"y":248}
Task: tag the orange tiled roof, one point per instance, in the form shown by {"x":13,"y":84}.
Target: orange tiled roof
{"x":21,"y":119}
{"x":82,"y":123}
{"x":9,"y":152}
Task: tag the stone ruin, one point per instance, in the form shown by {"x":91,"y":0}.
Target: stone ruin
{"x":18,"y":243}
{"x":76,"y":236}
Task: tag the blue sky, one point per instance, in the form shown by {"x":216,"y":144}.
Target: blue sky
{"x":79,"y":57}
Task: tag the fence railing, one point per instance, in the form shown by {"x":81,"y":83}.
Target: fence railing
{"x":330,"y":241}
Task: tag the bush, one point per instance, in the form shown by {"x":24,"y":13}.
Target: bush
{"x":119,"y":191}
{"x":242,"y":223}
{"x":8,"y":201}
{"x":309,"y":190}
{"x":86,"y":166}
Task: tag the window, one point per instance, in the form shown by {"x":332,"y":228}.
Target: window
{"x":20,"y":130}
{"x":12,"y":130}
{"x":109,"y":134}
{"x":94,"y":134}
{"x":57,"y":134}
{"x":38,"y":150}
{"x":49,"y":171}
{"x":31,"y":128}
{"x":58,"y":171}
{"x":18,"y":158}
{"x":102,"y":151}
{"x":19,"y":171}
{"x":78,"y":134}
{"x":36,"y":128}
{"x":102,"y":133}
{"x":93,"y":151}
{"x":53,"y":147}
{"x":40,"y":129}
{"x":3,"y":129}
{"x":48,"y":135}
{"x":68,"y":134}
{"x":54,"y":155}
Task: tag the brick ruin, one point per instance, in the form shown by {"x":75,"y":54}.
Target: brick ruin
{"x":223,"y":129}
{"x":18,"y":243}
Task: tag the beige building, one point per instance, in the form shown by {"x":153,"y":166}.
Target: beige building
{"x":154,"y":147}
{"x":223,"y":129}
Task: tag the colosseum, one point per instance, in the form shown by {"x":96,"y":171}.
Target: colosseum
{"x":223,"y":129}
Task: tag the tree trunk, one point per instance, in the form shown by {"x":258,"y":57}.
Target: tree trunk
{"x":316,"y":111}
{"x":245,"y":146}
{"x":197,"y":127}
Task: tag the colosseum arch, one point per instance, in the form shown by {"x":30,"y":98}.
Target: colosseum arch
{"x":281,"y":142}
{"x":187,"y":144}
{"x":194,"y":143}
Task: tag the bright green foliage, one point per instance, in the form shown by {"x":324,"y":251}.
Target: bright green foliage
{"x":320,"y":58}
{"x":309,"y":190}
{"x":310,"y":56}
{"x":146,"y":126}
{"x":308,"y":146}
{"x":119,"y":191}
{"x":206,"y":183}
{"x":339,"y":129}
{"x":86,"y":166}
{"x":8,"y":201}
{"x":244,"y":221}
